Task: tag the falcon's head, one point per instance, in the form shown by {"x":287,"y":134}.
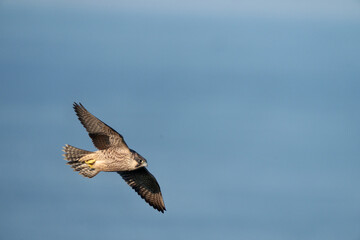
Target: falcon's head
{"x":140,"y":161}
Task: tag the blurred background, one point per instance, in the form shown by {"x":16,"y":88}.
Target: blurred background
{"x":247,"y":112}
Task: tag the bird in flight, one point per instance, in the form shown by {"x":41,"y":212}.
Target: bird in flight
{"x":113,"y":155}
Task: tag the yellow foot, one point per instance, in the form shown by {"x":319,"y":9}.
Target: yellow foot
{"x":90,"y":162}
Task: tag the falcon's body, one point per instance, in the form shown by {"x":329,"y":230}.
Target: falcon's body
{"x":114,"y":159}
{"x":113,"y":156}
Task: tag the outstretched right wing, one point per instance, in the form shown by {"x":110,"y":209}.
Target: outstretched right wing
{"x":101,"y":134}
{"x":145,"y":184}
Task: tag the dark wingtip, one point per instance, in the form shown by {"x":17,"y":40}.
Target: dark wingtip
{"x":75,"y":106}
{"x":78,"y":107}
{"x":159,"y":206}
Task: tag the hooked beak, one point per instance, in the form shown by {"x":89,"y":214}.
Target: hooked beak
{"x":139,"y":165}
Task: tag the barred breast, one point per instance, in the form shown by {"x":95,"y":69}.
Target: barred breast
{"x":113,"y":160}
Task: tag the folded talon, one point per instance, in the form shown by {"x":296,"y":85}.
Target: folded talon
{"x":90,"y":162}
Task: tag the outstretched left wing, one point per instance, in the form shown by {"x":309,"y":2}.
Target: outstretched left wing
{"x":101,"y":134}
{"x":145,"y":184}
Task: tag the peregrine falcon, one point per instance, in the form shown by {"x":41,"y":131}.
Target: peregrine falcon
{"x":113,"y":156}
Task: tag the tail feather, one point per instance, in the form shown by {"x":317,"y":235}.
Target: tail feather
{"x":73,"y":155}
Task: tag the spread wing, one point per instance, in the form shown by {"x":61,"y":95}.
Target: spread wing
{"x":101,"y":134}
{"x":145,"y":184}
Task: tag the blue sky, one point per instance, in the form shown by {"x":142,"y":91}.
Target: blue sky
{"x":278,"y":8}
{"x":246,"y":112}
